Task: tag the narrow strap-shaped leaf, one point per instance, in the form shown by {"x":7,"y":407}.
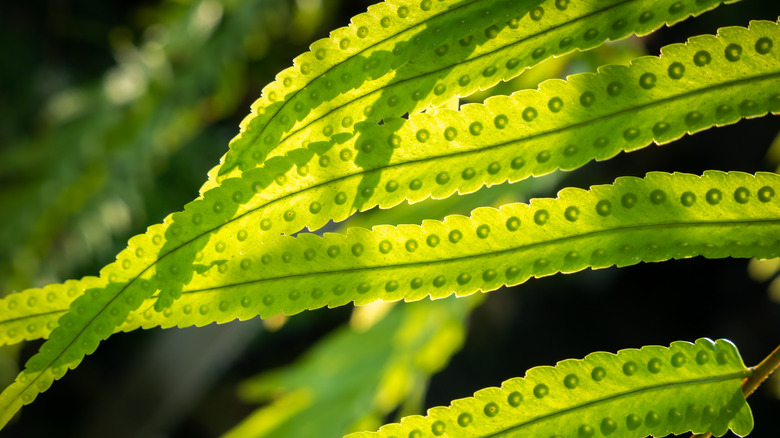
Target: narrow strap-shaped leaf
{"x":664,"y":216}
{"x":634,"y":393}
{"x":449,"y":68}
{"x":569,"y":123}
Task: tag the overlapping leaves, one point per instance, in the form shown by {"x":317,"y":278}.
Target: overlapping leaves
{"x":208,"y":262}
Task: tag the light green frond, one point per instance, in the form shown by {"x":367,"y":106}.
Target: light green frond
{"x":506,"y":38}
{"x":634,"y":393}
{"x":208,"y":262}
{"x":562,"y":125}
{"x":663,"y":216}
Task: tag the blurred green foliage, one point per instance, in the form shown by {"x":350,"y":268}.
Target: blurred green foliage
{"x":87,"y":149}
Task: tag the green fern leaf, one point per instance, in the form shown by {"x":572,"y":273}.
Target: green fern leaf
{"x":490,"y":51}
{"x":562,"y":125}
{"x":664,"y":216}
{"x":136,"y":276}
{"x":729,"y":89}
{"x":634,"y":393}
{"x":198,"y":246}
{"x":529,"y":133}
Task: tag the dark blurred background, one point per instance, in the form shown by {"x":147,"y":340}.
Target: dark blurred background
{"x":111,"y":113}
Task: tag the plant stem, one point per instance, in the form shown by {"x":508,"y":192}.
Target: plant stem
{"x":760,"y":373}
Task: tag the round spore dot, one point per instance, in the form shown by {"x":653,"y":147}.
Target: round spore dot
{"x":541,"y":390}
{"x":571,"y":381}
{"x":464,"y":419}
{"x":714,"y":196}
{"x":491,"y":409}
{"x":742,"y":195}
{"x":678,"y":360}
{"x":647,"y":81}
{"x":733,"y":52}
{"x":514,"y":399}
{"x":766,"y":193}
{"x":654,"y":365}
{"x":702,"y":58}
{"x":604,"y":208}
{"x":657,"y":197}
{"x":608,"y":426}
{"x":763,"y":45}
{"x":633,"y":421}
{"x":463,"y":278}
{"x":676,"y":70}
{"x":555,"y":104}
{"x":688,"y":199}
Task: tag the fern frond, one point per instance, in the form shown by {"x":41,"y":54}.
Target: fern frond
{"x":509,"y":138}
{"x":634,"y":393}
{"x":231,"y":228}
{"x":562,"y":125}
{"x":629,"y":110}
{"x":664,"y":216}
{"x":345,"y":87}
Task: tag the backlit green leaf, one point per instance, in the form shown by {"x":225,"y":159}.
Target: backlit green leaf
{"x":634,"y":393}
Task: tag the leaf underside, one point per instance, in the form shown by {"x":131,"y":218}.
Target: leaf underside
{"x":663,"y":216}
{"x":228,"y":255}
{"x":634,"y":393}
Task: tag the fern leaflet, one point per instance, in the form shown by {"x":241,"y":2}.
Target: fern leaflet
{"x":634,"y":393}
